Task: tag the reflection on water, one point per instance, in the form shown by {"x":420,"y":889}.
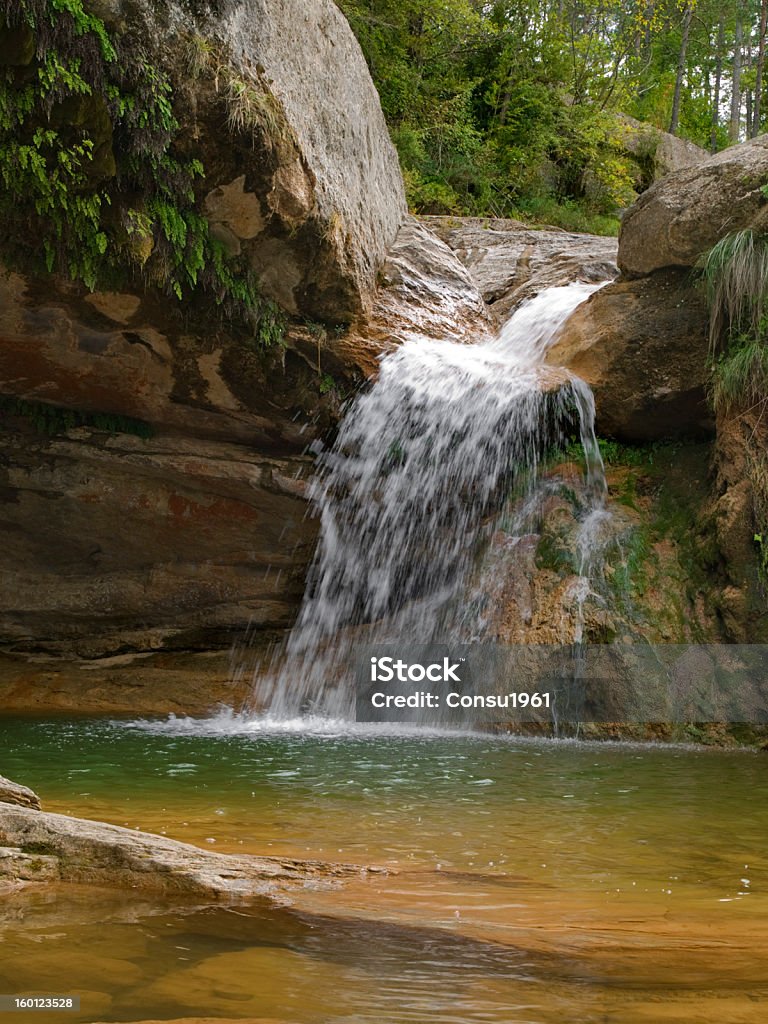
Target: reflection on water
{"x":532,"y":882}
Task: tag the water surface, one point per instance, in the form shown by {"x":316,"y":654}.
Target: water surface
{"x":530,"y":881}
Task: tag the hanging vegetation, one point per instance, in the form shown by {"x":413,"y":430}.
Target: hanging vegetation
{"x":93,"y":185}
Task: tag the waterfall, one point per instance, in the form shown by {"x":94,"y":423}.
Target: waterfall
{"x":420,"y":469}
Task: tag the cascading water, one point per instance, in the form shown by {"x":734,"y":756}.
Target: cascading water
{"x":419,"y":470}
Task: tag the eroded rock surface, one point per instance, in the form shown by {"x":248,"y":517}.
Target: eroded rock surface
{"x":13,"y":793}
{"x":37,"y":846}
{"x":510,"y":263}
{"x":121,"y":543}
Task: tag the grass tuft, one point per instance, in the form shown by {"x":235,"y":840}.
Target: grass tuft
{"x":740,"y":378}
{"x":735,"y":273}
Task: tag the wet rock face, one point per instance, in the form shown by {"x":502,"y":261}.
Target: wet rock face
{"x":510,"y":263}
{"x":117,"y":544}
{"x":642,"y":346}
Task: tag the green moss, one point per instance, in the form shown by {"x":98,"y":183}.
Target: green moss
{"x":94,"y":186}
{"x":630,"y":576}
{"x":53,"y":419}
{"x":41,"y":849}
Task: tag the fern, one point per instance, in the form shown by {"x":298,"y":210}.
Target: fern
{"x":55,"y":198}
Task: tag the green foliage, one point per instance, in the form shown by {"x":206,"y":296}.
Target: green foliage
{"x":566,"y":214}
{"x":93,"y":186}
{"x":613,"y":453}
{"x":327,"y":384}
{"x":508,"y":108}
{"x":735,"y":273}
{"x":739,"y":379}
{"x":53,"y":419}
{"x":630,"y":577}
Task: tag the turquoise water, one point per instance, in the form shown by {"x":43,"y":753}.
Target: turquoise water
{"x":531,"y":881}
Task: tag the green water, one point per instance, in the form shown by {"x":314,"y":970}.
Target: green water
{"x":531,"y":882}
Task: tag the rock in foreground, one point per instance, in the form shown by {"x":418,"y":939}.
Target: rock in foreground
{"x":38,"y":846}
{"x":13,"y":793}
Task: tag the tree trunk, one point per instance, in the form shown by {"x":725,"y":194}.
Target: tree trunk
{"x":718,"y":83}
{"x":733,"y":131}
{"x":760,"y":67}
{"x":675,"y":119}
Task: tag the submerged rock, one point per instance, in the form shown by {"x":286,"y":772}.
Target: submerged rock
{"x":75,"y":850}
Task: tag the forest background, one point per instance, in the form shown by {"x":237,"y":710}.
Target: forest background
{"x":522,"y":109}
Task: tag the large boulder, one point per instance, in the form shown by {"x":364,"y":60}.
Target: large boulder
{"x":686,"y":213}
{"x":642,"y":346}
{"x":308,"y":185}
{"x":641,"y":342}
{"x":657,"y":152}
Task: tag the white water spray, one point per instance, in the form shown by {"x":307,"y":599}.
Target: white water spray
{"x":421,"y":466}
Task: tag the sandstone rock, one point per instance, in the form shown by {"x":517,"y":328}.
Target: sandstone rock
{"x":144,"y":683}
{"x":425,"y":292}
{"x":642,"y":346}
{"x":510,"y":263}
{"x":686,"y":213}
{"x":309,"y":185}
{"x":13,"y":793}
{"x":99,"y":854}
{"x":123,"y":544}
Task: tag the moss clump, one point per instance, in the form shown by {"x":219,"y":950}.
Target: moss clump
{"x":94,"y":187}
{"x":53,"y":419}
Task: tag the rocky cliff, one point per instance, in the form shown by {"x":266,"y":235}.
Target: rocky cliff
{"x":642,"y":343}
{"x":229,"y":256}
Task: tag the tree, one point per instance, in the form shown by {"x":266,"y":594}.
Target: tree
{"x":755,"y":126}
{"x":675,"y":118}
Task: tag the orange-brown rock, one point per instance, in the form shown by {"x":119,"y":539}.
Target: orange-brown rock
{"x":642,"y":346}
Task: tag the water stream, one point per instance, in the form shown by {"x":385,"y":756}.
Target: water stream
{"x":412,"y":488}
